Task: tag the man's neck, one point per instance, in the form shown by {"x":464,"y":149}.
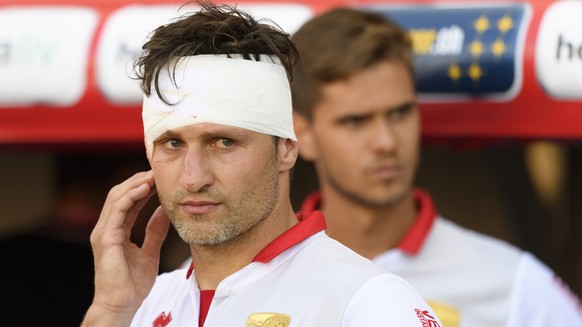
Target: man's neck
{"x":368,"y":231}
{"x":215,"y":263}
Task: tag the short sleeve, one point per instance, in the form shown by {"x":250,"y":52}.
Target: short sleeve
{"x":388,"y":300}
{"x":541,"y":299}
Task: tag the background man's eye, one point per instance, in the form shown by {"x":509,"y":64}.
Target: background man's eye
{"x":398,"y":114}
{"x":354,"y":120}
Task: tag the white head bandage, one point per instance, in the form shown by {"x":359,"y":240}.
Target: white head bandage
{"x":250,"y":94}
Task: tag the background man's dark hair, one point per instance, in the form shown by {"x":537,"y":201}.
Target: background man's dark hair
{"x":353,"y":40}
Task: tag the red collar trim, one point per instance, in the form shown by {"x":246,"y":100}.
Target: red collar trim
{"x":414,"y":239}
{"x":309,"y":224}
{"x":312,"y":202}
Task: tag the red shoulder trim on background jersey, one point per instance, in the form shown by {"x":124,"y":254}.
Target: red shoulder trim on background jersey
{"x":414,"y":239}
{"x":568,"y":293}
{"x":309,"y":224}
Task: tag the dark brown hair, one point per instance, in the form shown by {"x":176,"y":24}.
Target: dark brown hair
{"x":214,"y":29}
{"x":339,"y":43}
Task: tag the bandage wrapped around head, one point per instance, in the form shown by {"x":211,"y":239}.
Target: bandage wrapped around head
{"x":216,"y":89}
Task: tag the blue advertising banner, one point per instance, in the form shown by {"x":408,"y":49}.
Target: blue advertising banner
{"x":465,"y":51}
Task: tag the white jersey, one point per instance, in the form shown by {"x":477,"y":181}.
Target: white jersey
{"x":474,"y":280}
{"x":302,"y":279}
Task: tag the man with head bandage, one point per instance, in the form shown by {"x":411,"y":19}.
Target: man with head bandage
{"x":219,"y":138}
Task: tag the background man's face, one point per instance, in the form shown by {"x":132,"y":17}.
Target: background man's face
{"x":365,"y":135}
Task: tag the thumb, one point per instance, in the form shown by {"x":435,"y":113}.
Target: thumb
{"x":156,"y":232}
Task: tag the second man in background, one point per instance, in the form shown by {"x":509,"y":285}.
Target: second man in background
{"x":357,"y":118}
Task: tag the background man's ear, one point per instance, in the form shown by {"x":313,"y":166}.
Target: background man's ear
{"x":304,"y":133}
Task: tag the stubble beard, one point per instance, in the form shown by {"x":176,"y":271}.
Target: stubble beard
{"x":236,"y":217}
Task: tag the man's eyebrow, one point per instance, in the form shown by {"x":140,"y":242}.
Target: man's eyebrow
{"x":348,"y":116}
{"x":168,"y":134}
{"x":363,"y":115}
{"x":228,"y":133}
{"x":406,"y":105}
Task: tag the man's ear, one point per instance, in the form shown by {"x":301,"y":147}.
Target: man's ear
{"x":288,"y":152}
{"x":304,"y":133}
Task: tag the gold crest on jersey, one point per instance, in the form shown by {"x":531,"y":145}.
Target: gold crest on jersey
{"x":266,"y":319}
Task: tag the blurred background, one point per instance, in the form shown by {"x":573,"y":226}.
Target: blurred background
{"x":500,"y":84}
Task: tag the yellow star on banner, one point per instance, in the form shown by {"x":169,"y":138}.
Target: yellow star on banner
{"x":454,"y":72}
{"x":498,"y":48}
{"x":504,"y":24}
{"x":481,"y":24}
{"x":476,"y":48}
{"x":475,"y":72}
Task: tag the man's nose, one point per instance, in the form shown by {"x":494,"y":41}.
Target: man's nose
{"x":197,"y":172}
{"x":382,"y":136}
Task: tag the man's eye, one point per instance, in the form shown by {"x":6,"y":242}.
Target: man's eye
{"x":173,"y":143}
{"x":397,"y":114}
{"x":354,"y":120}
{"x":400,"y":112}
{"x":224,"y":143}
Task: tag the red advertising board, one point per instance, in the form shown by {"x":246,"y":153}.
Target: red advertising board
{"x":485,"y":69}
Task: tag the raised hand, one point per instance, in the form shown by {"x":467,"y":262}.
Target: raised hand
{"x":125,"y":272}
